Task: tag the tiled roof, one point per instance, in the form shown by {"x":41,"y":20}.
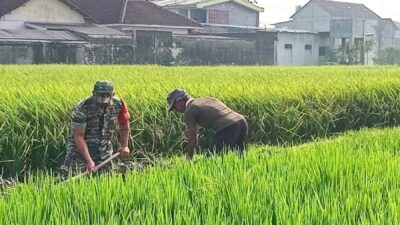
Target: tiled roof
{"x":7,"y":6}
{"x":147,"y":13}
{"x":344,"y":9}
{"x":99,"y":11}
{"x":116,"y":12}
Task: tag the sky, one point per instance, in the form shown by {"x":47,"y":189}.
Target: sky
{"x":281,"y":10}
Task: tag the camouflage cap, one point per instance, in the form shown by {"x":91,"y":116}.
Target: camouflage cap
{"x":103,"y":86}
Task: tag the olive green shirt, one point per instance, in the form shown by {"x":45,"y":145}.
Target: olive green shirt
{"x":210,"y":113}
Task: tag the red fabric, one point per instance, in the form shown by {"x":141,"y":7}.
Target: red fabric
{"x":124,"y":116}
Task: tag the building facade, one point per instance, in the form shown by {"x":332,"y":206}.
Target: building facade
{"x":38,"y":11}
{"x":217,"y":16}
{"x":350,"y":33}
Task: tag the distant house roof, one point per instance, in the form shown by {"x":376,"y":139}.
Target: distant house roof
{"x":38,"y":35}
{"x":343,"y":9}
{"x":147,"y":13}
{"x":83,"y":28}
{"x":99,"y":11}
{"x":204,"y":3}
{"x":283,"y":22}
{"x":388,"y":21}
{"x":7,"y":6}
{"x":116,"y":11}
{"x":128,"y":12}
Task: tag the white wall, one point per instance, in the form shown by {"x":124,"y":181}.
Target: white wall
{"x":362,"y":27}
{"x":312,"y":18}
{"x":12,"y":25}
{"x":298,"y":55}
{"x":44,"y":11}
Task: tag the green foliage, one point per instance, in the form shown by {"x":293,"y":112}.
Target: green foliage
{"x":282,"y":105}
{"x":353,"y":179}
{"x":388,"y":56}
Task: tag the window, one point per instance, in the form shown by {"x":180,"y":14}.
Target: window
{"x":218,"y":16}
{"x":288,"y":46}
{"x":322,"y":51}
{"x":307,"y":47}
{"x":199,"y":15}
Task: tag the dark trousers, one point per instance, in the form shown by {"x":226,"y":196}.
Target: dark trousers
{"x":232,"y":137}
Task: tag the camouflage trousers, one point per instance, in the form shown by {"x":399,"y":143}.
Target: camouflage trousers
{"x":75,"y":164}
{"x":8,"y":182}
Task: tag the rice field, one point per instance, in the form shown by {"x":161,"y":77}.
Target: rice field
{"x":324,"y":147}
{"x":351,"y":179}
{"x":284,"y":106}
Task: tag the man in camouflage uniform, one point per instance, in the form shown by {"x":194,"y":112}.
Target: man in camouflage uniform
{"x":93,"y":122}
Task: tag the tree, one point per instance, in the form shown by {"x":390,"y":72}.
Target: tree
{"x":388,"y":56}
{"x":368,"y":46}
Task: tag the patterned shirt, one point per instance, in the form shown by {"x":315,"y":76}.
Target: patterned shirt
{"x":99,"y":123}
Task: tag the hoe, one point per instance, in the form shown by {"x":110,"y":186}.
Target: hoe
{"x":95,"y":169}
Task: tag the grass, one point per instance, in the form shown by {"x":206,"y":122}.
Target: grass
{"x":352,"y":179}
{"x":283,"y":105}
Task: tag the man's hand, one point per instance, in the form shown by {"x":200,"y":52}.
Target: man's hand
{"x":124,"y":152}
{"x":82,"y":148}
{"x":124,"y":138}
{"x":90,"y":166}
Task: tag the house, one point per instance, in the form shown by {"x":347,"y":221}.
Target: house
{"x":65,"y":43}
{"x":108,"y":27}
{"x":13,"y":13}
{"x":397,"y":35}
{"x":134,"y":14}
{"x":139,"y":14}
{"x":387,"y":31}
{"x":316,"y":15}
{"x":283,"y":47}
{"x":296,"y":48}
{"x":102,"y":45}
{"x":151,"y":26}
{"x":217,"y":16}
{"x":200,"y":49}
{"x":348,"y":31}
{"x":30,"y":46}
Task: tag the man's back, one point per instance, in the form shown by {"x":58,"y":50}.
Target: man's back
{"x":210,"y":113}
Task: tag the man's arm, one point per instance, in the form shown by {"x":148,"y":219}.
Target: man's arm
{"x":124,"y":131}
{"x":79,"y":139}
{"x":192,"y":142}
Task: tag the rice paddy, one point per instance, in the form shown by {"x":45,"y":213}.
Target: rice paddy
{"x":283,"y":105}
{"x":352,"y":179}
{"x":324,"y":147}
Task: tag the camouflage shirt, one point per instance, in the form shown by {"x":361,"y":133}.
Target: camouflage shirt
{"x":99,"y":122}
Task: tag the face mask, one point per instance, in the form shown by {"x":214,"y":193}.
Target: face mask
{"x":103,"y":98}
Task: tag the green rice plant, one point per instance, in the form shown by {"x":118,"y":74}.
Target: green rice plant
{"x":283,"y":105}
{"x":352,"y":179}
